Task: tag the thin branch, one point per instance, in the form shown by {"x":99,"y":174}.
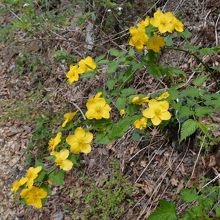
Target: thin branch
{"x":190,"y":53}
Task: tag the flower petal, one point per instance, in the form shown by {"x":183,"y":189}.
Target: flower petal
{"x":156,"y":121}
{"x":148,"y":113}
{"x":67,"y":165}
{"x":88,"y":137}
{"x":86,"y":148}
{"x":165,"y":115}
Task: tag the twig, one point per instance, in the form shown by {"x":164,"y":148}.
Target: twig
{"x":190,"y":53}
{"x":211,"y":181}
{"x":77,"y":107}
{"x":194,"y":167}
{"x":216,"y":30}
{"x":143,"y":171}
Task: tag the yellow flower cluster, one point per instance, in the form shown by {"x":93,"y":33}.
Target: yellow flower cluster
{"x":68,"y":117}
{"x":61,"y":159}
{"x":83,"y":66}
{"x":31,"y":194}
{"x":157,"y":111}
{"x":97,"y":107}
{"x":165,"y":22}
{"x":80,"y":141}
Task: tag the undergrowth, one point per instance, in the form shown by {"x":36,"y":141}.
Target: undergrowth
{"x":112,"y":109}
{"x":108,"y":198}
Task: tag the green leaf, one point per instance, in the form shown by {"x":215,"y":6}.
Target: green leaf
{"x":128,"y":91}
{"x":99,"y":58}
{"x":188,"y":128}
{"x":165,"y":211}
{"x":199,"y":81}
{"x":217,"y":211}
{"x":217,"y":68}
{"x":112,"y":67}
{"x":116,"y":53}
{"x":102,"y":138}
{"x":111,"y":83}
{"x":136,"y":136}
{"x":120,"y":103}
{"x":57,"y":177}
{"x":202,"y":111}
{"x":188,"y":195}
{"x":191,"y":92}
{"x":39,"y":162}
{"x":185,"y":111}
{"x":131,"y":52}
{"x":185,"y":34}
{"x":169,"y":41}
{"x":41,"y":177}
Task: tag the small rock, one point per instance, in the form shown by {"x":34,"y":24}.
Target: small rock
{"x":58,"y":216}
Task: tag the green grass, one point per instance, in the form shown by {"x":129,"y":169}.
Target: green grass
{"x":109,"y":200}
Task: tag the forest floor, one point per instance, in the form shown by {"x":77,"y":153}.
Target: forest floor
{"x":34,"y":96}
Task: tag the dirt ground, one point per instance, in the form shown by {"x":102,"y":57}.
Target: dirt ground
{"x":157,"y":167}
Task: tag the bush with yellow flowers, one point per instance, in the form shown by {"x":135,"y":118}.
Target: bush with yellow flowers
{"x":177,"y":106}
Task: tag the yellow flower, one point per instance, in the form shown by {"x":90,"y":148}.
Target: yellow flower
{"x":122,"y":112}
{"x":80,"y":141}
{"x":162,"y":21}
{"x":61,"y":159}
{"x":166,"y":22}
{"x":18,"y":183}
{"x":137,"y":100}
{"x":157,"y":111}
{"x":73,"y":74}
{"x":54,"y":141}
{"x":97,"y":108}
{"x":178,"y":25}
{"x":140,"y":123}
{"x":31,"y":175}
{"x":33,"y":196}
{"x":163,"y":96}
{"x":83,"y":66}
{"x":68,"y":117}
{"x":92,"y":100}
{"x":144,"y":23}
{"x":138,"y":37}
{"x":86,"y":65}
{"x":155,"y":43}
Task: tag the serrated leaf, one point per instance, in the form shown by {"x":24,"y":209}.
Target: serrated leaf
{"x":116,"y":53}
{"x":57,"y":177}
{"x":41,"y":177}
{"x":111,"y":83}
{"x":169,"y":41}
{"x":131,"y":52}
{"x":217,"y":211}
{"x":99,"y":58}
{"x":191,"y":92}
{"x":165,"y":211}
{"x":202,"y":111}
{"x":112,"y":67}
{"x":185,"y":34}
{"x":200,"y":80}
{"x":188,"y":195}
{"x":120,"y":103}
{"x":188,"y":128}
{"x":185,"y":111}
{"x":102,"y":138}
{"x":128,"y":91}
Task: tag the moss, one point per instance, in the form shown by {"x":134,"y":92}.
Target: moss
{"x":109,"y":200}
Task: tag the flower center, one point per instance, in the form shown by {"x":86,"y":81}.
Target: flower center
{"x":158,"y":112}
